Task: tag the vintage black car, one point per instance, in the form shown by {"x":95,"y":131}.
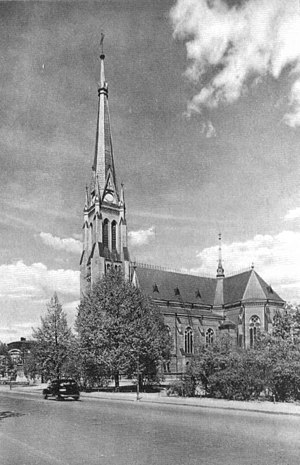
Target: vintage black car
{"x":61,"y":389}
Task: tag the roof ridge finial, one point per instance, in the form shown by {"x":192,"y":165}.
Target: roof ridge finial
{"x":220,"y":270}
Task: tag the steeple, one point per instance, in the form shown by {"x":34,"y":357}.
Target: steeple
{"x":220,"y":270}
{"x":103,"y":166}
{"x":104,"y":226}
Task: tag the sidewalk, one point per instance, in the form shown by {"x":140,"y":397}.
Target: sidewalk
{"x":161,"y":398}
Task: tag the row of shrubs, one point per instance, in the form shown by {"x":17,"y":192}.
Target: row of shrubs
{"x":271,"y":371}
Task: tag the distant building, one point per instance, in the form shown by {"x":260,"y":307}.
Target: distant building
{"x":19,"y":351}
{"x":196,"y":309}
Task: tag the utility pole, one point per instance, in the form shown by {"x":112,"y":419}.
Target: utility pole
{"x":138,"y":378}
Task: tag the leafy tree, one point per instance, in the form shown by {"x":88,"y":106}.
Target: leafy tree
{"x":6,"y":363}
{"x":209,"y":360}
{"x":120,"y":330}
{"x":31,"y":366}
{"x":226,"y":372}
{"x":55,"y":345}
{"x":272,"y":366}
{"x":282,"y":325}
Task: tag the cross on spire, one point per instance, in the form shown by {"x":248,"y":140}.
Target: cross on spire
{"x":101,"y":44}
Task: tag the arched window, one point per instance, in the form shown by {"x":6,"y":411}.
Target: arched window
{"x":114,"y":235}
{"x":105,"y":233}
{"x":166,"y":367}
{"x":91,"y":234}
{"x":188,"y":341}
{"x":209,"y":336}
{"x":15,"y":355}
{"x":254,"y":325}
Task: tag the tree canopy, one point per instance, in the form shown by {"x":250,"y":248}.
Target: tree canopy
{"x":54,"y":344}
{"x":6,"y":362}
{"x":271,"y":367}
{"x":121,"y":331}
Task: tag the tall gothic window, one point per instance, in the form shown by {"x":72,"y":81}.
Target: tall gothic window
{"x":254,"y":325}
{"x":188,"y":341}
{"x":91,"y":234}
{"x":105,"y":233}
{"x":209,"y":336}
{"x":114,"y":235}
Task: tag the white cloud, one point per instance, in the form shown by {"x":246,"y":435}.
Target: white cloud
{"x":77,"y":236}
{"x":292,"y":214}
{"x":68,"y":244}
{"x":276,"y":259}
{"x":19,"y":281}
{"x":142,"y":236}
{"x":238,"y":43}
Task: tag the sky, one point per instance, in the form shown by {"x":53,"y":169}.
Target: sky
{"x":204,"y":101}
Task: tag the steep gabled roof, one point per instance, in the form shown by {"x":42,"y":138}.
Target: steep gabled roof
{"x":234,"y":287}
{"x":248,"y":286}
{"x":168,"y":285}
{"x":173,"y":286}
{"x":268,"y":290}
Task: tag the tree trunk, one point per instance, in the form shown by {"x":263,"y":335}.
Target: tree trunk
{"x":117,"y":382}
{"x":140,"y":381}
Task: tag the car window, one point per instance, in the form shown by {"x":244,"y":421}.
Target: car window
{"x":68,"y":383}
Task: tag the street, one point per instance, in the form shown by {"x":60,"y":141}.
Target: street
{"x":93,"y":431}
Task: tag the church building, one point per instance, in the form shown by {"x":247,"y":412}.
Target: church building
{"x":196,"y":309}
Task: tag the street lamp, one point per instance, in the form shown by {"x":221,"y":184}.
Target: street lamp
{"x":138,"y":379}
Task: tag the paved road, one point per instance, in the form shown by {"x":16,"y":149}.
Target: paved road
{"x":115,"y":432}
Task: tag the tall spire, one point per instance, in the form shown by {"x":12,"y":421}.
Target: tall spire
{"x":220,"y":270}
{"x":103,"y":166}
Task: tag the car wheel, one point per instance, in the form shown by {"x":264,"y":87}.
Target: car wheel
{"x":58,"y":397}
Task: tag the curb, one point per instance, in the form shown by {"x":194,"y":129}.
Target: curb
{"x":187,"y":404}
{"x":165,"y":401}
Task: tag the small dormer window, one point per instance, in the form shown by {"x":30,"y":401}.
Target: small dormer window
{"x":176,"y":291}
{"x":269,"y":289}
{"x":197,"y":294}
{"x":155,"y":288}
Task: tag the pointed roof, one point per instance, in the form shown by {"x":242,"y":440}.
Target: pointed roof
{"x":248,"y":286}
{"x":173,"y":286}
{"x":169,"y":285}
{"x":234,"y":287}
{"x":103,"y":160}
{"x":253,"y":289}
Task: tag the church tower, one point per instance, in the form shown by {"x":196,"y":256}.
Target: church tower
{"x":104,"y":225}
